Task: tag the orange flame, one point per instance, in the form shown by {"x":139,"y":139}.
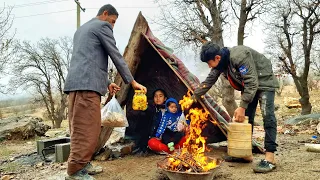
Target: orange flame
{"x":186,"y":102}
{"x":192,"y":153}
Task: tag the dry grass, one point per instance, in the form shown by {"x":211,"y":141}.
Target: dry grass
{"x":10,"y":167}
{"x":6,"y":152}
{"x":15,"y":147}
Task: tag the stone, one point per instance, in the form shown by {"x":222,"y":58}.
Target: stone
{"x":47,"y":143}
{"x":6,"y":177}
{"x":318,"y":128}
{"x":292,"y":103}
{"x":62,"y":152}
{"x":62,"y":167}
{"x":40,"y":164}
{"x":22,"y":128}
{"x":303,"y":118}
{"x":120,"y":149}
{"x":313,"y":147}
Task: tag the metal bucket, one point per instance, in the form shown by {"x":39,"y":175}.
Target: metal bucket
{"x":178,"y":175}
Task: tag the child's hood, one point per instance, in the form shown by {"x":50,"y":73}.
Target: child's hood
{"x":171,"y":100}
{"x":178,"y":113}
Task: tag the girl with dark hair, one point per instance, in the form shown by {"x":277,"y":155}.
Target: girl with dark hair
{"x":148,"y":122}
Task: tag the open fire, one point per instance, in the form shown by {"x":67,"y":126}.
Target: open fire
{"x":191,"y":157}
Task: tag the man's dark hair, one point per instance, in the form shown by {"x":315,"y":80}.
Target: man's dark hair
{"x":209,"y":51}
{"x":109,"y":8}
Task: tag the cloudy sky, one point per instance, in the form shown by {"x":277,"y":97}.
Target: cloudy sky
{"x":35,"y":19}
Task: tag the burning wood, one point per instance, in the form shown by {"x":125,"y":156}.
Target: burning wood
{"x":191,"y":157}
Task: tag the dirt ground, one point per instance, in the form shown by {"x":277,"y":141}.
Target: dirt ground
{"x":293,"y":161}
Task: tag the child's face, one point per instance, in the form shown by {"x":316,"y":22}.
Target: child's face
{"x":173,"y":108}
{"x":159,"y":98}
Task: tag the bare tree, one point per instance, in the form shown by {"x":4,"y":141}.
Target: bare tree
{"x":59,"y":55}
{"x":316,"y":67}
{"x":295,"y":25}
{"x":42,"y":67}
{"x":247,"y":11}
{"x":315,"y":63}
{"x":193,"y":22}
{"x":6,"y":38}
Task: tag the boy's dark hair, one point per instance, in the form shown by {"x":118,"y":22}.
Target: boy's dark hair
{"x":109,"y":8}
{"x":209,"y":51}
{"x":161,"y":90}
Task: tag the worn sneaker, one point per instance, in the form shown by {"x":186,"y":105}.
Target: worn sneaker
{"x":92,"y":170}
{"x":264,"y":166}
{"x":80,"y":175}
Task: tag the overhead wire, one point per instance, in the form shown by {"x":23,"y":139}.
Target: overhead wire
{"x":33,"y":4}
{"x":56,"y":12}
{"x":147,"y":7}
{"x":44,"y":13}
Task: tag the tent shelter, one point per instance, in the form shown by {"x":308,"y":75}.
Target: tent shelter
{"x":155,"y":66}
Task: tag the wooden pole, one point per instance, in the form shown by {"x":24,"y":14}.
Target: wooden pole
{"x":78,"y":12}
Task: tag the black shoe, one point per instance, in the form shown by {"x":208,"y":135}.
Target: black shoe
{"x":235,"y":159}
{"x":258,"y":150}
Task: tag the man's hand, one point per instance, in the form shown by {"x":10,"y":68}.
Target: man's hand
{"x":113,"y":88}
{"x":138,"y":86}
{"x":239,"y":114}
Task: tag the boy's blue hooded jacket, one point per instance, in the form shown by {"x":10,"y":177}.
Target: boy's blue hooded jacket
{"x":169,"y":120}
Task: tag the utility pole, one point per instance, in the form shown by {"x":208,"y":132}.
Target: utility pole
{"x":78,"y":12}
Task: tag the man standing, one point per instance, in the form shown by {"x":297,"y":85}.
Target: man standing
{"x":86,"y":82}
{"x":251,"y":73}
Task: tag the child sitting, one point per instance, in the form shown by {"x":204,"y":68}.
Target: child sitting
{"x":170,"y":133}
{"x":147,"y":122}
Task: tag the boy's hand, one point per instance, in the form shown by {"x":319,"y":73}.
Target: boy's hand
{"x":239,"y":114}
